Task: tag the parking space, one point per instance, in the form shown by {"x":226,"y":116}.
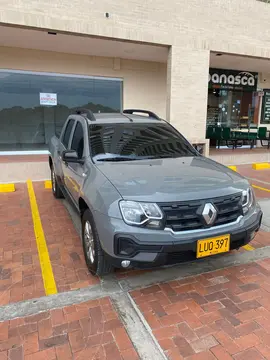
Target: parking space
{"x":25,"y":259}
{"x":63,"y":242}
{"x":20,"y":274}
{"x":222,"y":315}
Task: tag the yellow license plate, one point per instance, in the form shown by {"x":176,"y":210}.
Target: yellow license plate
{"x":213,"y":246}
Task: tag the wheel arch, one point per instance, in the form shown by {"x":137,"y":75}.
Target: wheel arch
{"x":83,"y":205}
{"x":50,"y":162}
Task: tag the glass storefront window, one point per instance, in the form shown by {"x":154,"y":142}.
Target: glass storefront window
{"x":26,"y":124}
{"x":230,"y":108}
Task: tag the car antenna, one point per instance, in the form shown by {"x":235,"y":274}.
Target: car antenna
{"x":131,"y":120}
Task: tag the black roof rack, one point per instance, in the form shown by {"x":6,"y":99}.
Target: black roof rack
{"x":149,"y":113}
{"x":87,"y":112}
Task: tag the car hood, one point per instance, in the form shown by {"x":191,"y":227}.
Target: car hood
{"x":177,"y":179}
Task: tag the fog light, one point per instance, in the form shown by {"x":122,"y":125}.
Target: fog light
{"x":126,"y":247}
{"x":125,"y":263}
{"x":252,"y":235}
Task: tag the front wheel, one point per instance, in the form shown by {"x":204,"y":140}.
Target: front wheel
{"x":94,"y":255}
{"x":55,"y":187}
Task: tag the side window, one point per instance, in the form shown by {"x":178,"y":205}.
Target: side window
{"x":77,"y":141}
{"x":67,"y":133}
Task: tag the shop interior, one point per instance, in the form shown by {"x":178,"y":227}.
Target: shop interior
{"x":238,"y":108}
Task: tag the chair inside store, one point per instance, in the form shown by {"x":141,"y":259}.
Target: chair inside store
{"x":264,"y":136}
{"x":236,"y":137}
{"x":214,"y":133}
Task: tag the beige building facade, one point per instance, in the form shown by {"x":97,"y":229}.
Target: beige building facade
{"x":153,"y":55}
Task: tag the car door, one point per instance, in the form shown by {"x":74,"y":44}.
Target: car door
{"x":75,"y":172}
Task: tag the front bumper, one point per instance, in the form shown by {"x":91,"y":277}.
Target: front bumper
{"x":170,"y":248}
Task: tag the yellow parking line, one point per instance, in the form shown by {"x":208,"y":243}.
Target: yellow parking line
{"x":47,"y":184}
{"x":260,"y":188}
{"x":5,"y":188}
{"x":44,"y":257}
{"x":248,"y":247}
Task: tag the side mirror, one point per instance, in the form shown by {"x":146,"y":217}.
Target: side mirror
{"x":199,"y":148}
{"x":71,"y":156}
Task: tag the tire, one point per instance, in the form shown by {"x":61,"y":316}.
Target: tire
{"x":95,"y":258}
{"x":55,"y":187}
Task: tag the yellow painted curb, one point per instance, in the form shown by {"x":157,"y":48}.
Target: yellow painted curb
{"x":260,"y":166}
{"x":232,"y":167}
{"x":248,"y":247}
{"x":44,"y":257}
{"x":47,"y":184}
{"x":260,"y":188}
{"x":5,"y":188}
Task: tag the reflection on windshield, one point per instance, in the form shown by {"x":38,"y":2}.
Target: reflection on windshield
{"x":129,"y":142}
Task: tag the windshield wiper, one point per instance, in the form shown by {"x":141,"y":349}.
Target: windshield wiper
{"x":117,"y":158}
{"x":167,"y":156}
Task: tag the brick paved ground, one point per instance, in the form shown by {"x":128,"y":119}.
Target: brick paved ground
{"x":63,"y":242}
{"x":262,"y":175}
{"x":90,"y":330}
{"x":20,"y":270}
{"x":262,"y":239}
{"x":246,"y":170}
{"x":260,"y":194}
{"x":20,"y":275}
{"x":220,"y":315}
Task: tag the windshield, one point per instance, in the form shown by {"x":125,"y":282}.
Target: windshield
{"x":133,"y":141}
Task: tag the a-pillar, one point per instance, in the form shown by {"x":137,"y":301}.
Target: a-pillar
{"x":187,"y":92}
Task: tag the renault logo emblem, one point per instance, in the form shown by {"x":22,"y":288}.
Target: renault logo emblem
{"x":209,"y":214}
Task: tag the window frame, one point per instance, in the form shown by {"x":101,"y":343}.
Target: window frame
{"x":64,"y":132}
{"x":72,"y":136}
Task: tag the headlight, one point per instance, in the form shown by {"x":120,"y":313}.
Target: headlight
{"x":139,"y":214}
{"x":248,"y":199}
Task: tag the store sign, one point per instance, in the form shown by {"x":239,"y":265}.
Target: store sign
{"x":48,"y":99}
{"x":232,"y":80}
{"x":265,"y":117}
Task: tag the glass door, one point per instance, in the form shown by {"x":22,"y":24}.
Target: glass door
{"x":237,"y":110}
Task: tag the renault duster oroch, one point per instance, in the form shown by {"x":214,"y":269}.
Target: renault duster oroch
{"x":146,"y":197}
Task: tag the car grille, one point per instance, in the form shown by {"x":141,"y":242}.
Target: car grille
{"x":187,"y":215}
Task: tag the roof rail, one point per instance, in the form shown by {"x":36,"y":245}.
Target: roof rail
{"x":149,"y":113}
{"x":89,"y":114}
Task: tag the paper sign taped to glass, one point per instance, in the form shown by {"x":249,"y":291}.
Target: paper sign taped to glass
{"x":48,"y":99}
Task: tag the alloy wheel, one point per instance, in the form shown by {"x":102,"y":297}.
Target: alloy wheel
{"x":89,"y":242}
{"x":53,"y":181}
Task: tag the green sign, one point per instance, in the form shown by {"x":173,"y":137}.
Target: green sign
{"x":265,"y":117}
{"x":232,"y":80}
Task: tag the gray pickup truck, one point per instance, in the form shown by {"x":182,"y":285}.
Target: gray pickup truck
{"x":146,"y":197}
